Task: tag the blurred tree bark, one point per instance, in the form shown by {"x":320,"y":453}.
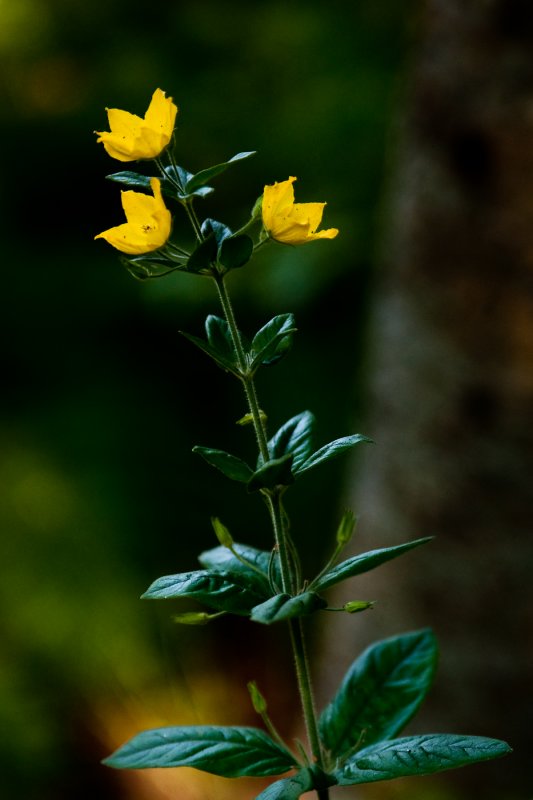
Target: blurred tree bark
{"x":451,"y":385}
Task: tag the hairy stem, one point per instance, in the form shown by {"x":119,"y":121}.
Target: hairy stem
{"x":279,"y":525}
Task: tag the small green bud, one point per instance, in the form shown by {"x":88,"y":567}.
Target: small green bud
{"x":346,"y":528}
{"x":258,"y":701}
{"x":223,"y":535}
{"x":354,"y":606}
{"x":248,"y":418}
{"x":193,"y":618}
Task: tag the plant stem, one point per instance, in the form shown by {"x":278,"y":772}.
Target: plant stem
{"x":273,"y":498}
{"x":305,"y":686}
{"x":246,"y":379}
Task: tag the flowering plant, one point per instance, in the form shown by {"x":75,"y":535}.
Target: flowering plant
{"x":355,"y":739}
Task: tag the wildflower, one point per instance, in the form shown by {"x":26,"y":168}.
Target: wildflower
{"x":290,"y":222}
{"x":148,"y":222}
{"x":132,"y":137}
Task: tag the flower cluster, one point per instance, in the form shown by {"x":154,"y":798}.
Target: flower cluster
{"x":148,"y":223}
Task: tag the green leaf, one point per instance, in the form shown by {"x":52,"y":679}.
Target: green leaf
{"x":380,"y":693}
{"x":283,"y":606}
{"x":220,"y":559}
{"x":218,"y":229}
{"x":276,"y":472}
{"x":149,"y":265}
{"x":228,"y":364}
{"x":417,"y":755}
{"x":273,"y":340}
{"x":219,"y":337}
{"x":289,"y":788}
{"x":364,"y":563}
{"x":215,"y":589}
{"x":205,"y":175}
{"x":231,"y":752}
{"x":332,"y":450}
{"x":295,"y":437}
{"x":231,"y":466}
{"x":204,"y":256}
{"x":235,"y":251}
{"x":129,"y":178}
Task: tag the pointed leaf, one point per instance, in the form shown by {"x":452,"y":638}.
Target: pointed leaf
{"x":381,"y":692}
{"x":235,"y":251}
{"x":289,"y":788}
{"x":231,"y":466}
{"x":204,"y":256}
{"x":273,"y":340}
{"x":178,"y":174}
{"x":129,"y":178}
{"x":220,"y":559}
{"x":149,"y":266}
{"x":364,"y":563}
{"x":219,"y":337}
{"x":227,"y":363}
{"x":218,"y":229}
{"x":332,"y":450}
{"x":283,"y":606}
{"x":228,"y":751}
{"x":295,"y":437}
{"x":205,"y":175}
{"x":276,"y":472}
{"x":215,"y":589}
{"x":417,"y":755}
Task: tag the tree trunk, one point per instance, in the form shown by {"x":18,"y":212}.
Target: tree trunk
{"x":451,"y":386}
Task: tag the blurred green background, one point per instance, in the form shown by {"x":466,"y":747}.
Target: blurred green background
{"x":102,"y":398}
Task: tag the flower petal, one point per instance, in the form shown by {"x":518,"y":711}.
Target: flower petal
{"x":132,"y":138}
{"x":148,"y":225}
{"x":289,"y":222}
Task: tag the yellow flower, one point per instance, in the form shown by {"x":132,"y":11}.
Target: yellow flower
{"x":132,"y":137}
{"x":148,"y":225}
{"x":290,"y":222}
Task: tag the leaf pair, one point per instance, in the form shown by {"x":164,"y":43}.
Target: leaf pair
{"x":269,"y":344}
{"x":291,"y":454}
{"x":378,"y":696}
{"x":220,"y":246}
{"x":241,"y":581}
{"x":295,"y":437}
{"x":192,"y":185}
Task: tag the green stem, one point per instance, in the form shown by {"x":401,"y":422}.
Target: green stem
{"x":303,"y":674}
{"x":273,"y":499}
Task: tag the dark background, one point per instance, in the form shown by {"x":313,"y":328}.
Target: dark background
{"x":102,"y":398}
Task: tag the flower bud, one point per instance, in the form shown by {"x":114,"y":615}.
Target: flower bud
{"x":346,"y":528}
{"x":223,"y":535}
{"x":258,"y":701}
{"x":193,"y":618}
{"x":354,"y":606}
